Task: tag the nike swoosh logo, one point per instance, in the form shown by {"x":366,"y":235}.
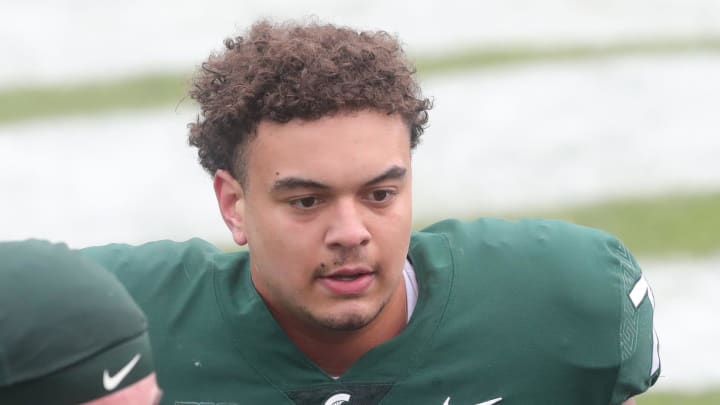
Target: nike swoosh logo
{"x":111,"y":382}
{"x":490,"y":402}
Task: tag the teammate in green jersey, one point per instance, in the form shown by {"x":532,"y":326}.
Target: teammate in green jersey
{"x":69,"y":332}
{"x":307,"y":131}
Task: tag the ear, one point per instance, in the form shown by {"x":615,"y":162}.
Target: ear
{"x":231,"y":200}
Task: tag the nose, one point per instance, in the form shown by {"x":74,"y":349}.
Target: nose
{"x":347,"y":228}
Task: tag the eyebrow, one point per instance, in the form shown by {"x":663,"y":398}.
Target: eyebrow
{"x":393,"y":173}
{"x":290,"y":183}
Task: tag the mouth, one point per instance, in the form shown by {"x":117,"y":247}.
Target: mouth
{"x":349,"y":277}
{"x":348,"y":281}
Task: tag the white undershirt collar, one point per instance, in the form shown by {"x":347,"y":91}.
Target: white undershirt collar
{"x":411,"y":288}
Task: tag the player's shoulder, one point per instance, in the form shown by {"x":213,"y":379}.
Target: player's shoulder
{"x":533,"y":251}
{"x":546,"y":240}
{"x":156,"y":255}
{"x":526,"y":232}
{"x":561,"y":279}
{"x":159,"y":263}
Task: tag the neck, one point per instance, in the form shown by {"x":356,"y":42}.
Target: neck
{"x":336,"y":351}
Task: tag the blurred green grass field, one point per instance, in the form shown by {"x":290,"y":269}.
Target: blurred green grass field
{"x":657,"y":226}
{"x":133,"y":94}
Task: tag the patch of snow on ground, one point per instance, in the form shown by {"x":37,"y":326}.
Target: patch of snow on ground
{"x":50,"y":41}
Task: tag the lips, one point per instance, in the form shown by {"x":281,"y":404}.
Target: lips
{"x":348,"y":281}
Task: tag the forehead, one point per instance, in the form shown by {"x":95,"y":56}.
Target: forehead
{"x":335,"y":149}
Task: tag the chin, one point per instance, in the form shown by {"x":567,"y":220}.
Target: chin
{"x":347,"y":323}
{"x":354,"y":319}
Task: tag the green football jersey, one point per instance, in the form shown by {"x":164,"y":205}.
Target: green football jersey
{"x":508,"y":312}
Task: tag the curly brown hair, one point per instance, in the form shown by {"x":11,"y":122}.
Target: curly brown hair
{"x":280,"y":72}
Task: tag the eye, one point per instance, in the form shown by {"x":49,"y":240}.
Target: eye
{"x":381,"y":195}
{"x":305,"y":202}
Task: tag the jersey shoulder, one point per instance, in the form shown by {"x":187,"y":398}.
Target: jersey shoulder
{"x":543,"y":248}
{"x":566,"y":280}
{"x":154,"y":267}
{"x":559,"y":264}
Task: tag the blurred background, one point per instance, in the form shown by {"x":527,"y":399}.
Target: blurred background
{"x":603,"y":113}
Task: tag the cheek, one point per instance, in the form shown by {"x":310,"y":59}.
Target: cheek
{"x":398,"y":221}
{"x":269,"y":228}
{"x":391,"y":232}
{"x":280,"y":243}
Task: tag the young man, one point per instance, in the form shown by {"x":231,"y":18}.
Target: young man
{"x":308,"y":132}
{"x":69,"y":332}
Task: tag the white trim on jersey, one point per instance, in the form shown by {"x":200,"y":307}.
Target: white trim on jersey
{"x":638,"y":292}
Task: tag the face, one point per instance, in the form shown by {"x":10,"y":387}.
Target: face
{"x":326,"y":212}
